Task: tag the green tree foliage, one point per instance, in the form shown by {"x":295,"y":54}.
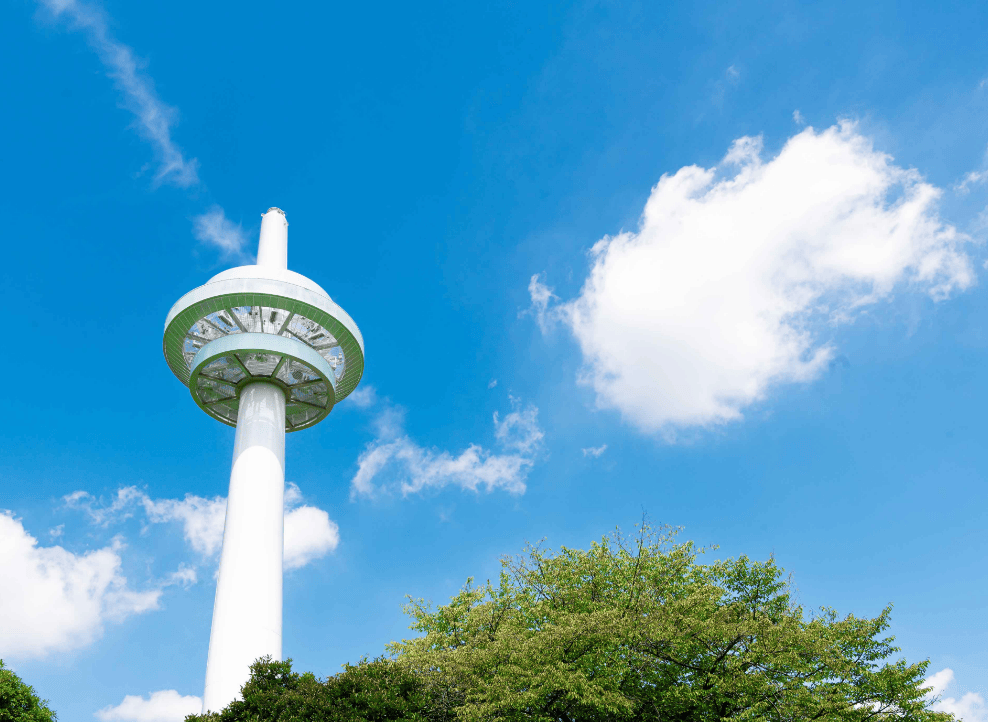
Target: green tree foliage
{"x":18,"y":701}
{"x":626,"y":631}
{"x":375,"y":691}
{"x":641,"y":630}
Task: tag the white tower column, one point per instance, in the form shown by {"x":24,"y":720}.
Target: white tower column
{"x":247,"y":610}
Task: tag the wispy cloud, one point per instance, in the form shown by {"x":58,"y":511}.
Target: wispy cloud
{"x":975,"y":177}
{"x":595,"y":451}
{"x":154,"y":119}
{"x":215,"y":228}
{"x":184,"y":576}
{"x":363,"y":397}
{"x":392,"y":462}
{"x":970,"y":180}
{"x":519,"y":430}
{"x":543,"y":306}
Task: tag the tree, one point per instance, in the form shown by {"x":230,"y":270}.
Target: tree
{"x":371,"y":691}
{"x":19,"y":702}
{"x":641,"y":630}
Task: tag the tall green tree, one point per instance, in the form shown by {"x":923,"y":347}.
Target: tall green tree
{"x":19,"y":702}
{"x":642,"y":630}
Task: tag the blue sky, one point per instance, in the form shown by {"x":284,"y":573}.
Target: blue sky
{"x":720,"y":263}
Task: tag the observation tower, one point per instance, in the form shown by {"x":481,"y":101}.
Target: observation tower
{"x":266,"y":350}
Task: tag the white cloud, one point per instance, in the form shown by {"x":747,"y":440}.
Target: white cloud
{"x":972,"y":178}
{"x":102,"y":515}
{"x":520,"y":429}
{"x":417,"y":468}
{"x":309,"y":532}
{"x":798,"y":117}
{"x":363,"y":397}
{"x":166,"y":705}
{"x":723,"y":290}
{"x":153,"y":118}
{"x":939,"y":682}
{"x":215,"y":228}
{"x":185,"y":576}
{"x":732,"y":73}
{"x":595,"y":451}
{"x":54,"y":600}
{"x":969,"y":708}
{"x":546,"y":314}
{"x":492,"y":383}
{"x":410,"y":468}
{"x":293,"y":495}
{"x":309,"y":535}
{"x":201,"y":518}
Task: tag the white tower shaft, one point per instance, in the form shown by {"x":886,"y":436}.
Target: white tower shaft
{"x":247,"y":611}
